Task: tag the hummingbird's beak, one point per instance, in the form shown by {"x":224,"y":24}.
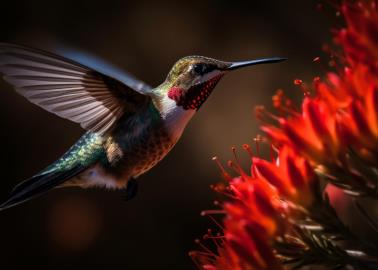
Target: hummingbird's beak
{"x":236,"y":65}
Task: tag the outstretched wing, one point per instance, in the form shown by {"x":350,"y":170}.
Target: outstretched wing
{"x":105,"y":68}
{"x":68,"y":89}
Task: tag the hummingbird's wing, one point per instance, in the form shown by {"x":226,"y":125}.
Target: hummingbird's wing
{"x":69,"y":89}
{"x":105,"y":68}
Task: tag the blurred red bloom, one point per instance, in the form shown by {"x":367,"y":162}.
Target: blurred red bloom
{"x":360,"y":38}
{"x":343,"y":113}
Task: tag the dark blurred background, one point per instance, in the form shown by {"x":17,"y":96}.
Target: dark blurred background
{"x":95,"y":229}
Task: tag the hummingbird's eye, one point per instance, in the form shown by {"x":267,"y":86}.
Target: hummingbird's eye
{"x":199,"y":69}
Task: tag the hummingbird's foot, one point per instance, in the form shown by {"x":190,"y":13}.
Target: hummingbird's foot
{"x":131,"y":190}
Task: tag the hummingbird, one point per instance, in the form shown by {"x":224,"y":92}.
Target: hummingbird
{"x":130,"y":126}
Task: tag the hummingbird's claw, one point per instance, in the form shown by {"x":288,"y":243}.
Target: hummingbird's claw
{"x":131,"y":190}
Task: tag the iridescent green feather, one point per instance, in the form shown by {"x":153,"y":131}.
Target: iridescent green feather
{"x":86,"y":151}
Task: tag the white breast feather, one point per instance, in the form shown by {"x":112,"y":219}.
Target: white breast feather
{"x":176,"y":117}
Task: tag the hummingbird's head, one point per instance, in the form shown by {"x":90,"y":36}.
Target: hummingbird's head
{"x":188,"y":85}
{"x":192,"y":78}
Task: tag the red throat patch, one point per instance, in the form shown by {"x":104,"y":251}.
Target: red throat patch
{"x":194,"y":97}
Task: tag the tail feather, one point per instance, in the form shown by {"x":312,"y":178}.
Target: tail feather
{"x":39,"y":184}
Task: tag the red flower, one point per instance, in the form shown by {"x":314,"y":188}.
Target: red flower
{"x":335,"y":134}
{"x":257,"y":212}
{"x":342,"y":116}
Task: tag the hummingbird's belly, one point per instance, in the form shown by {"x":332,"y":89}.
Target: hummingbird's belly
{"x":134,"y":158}
{"x":148,"y":154}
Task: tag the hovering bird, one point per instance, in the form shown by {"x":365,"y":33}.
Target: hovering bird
{"x":130,"y":125}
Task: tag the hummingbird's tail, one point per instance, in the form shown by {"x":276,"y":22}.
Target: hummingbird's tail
{"x":38,"y":184}
{"x":84,"y":153}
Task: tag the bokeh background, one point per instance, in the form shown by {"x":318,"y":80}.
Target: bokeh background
{"x":95,"y":229}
